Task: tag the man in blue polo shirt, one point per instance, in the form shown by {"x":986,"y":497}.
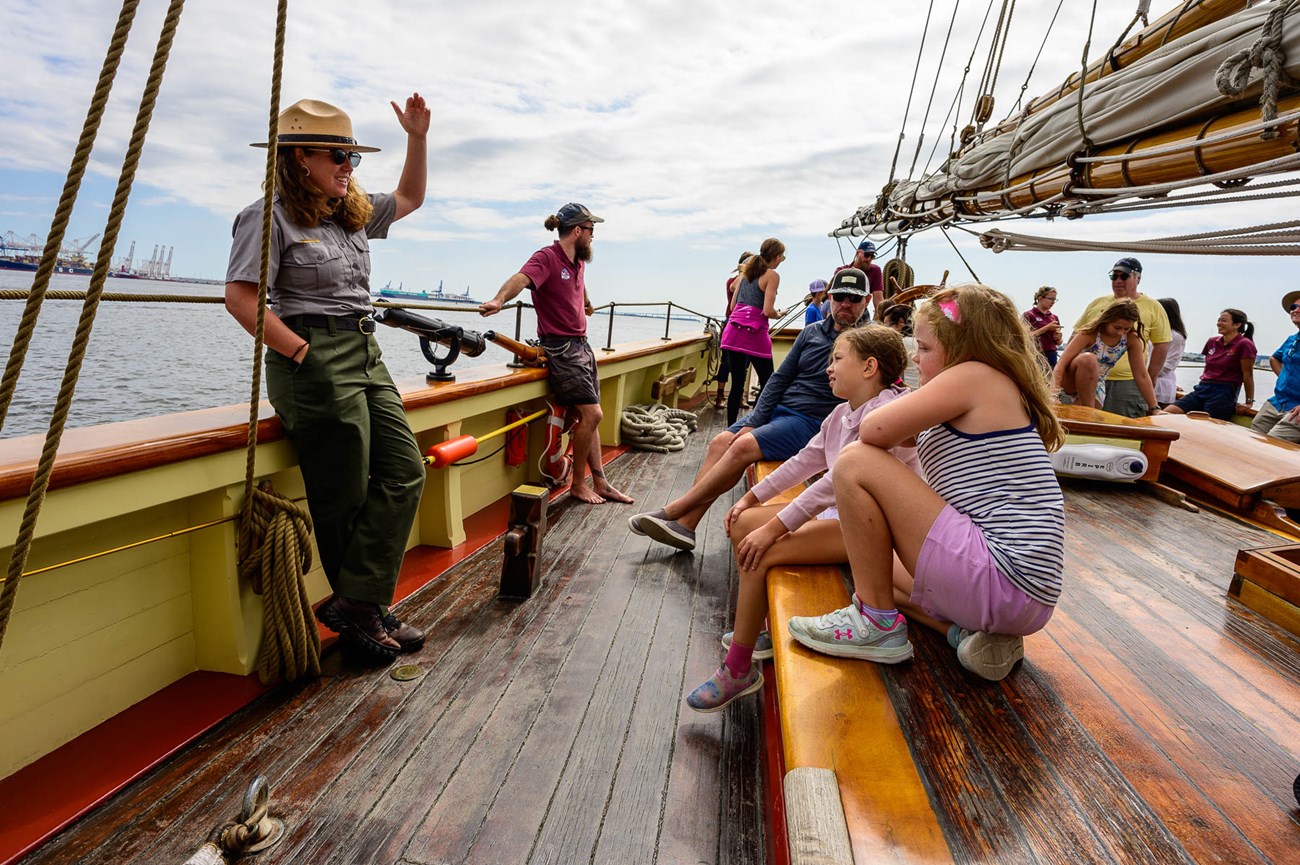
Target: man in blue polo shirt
{"x":554,"y":274}
{"x":1279,"y":415}
{"x":790,"y":410}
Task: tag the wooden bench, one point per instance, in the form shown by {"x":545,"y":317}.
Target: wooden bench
{"x":841,"y":740}
{"x":1230,"y":464}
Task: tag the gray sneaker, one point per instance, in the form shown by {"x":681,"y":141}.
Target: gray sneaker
{"x":666,"y":531}
{"x":634,"y":521}
{"x":990,"y":656}
{"x":762,"y":649}
{"x":847,"y":633}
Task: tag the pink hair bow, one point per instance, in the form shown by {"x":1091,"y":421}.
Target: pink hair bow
{"x":950,"y":310}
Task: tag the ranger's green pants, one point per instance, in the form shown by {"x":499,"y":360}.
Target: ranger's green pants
{"x":360,"y":462}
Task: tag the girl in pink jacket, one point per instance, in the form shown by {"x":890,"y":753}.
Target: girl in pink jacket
{"x":865,"y":363}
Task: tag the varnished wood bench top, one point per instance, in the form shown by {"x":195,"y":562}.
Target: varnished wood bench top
{"x":1091,"y":421}
{"x":836,"y":715}
{"x":1231,"y":455}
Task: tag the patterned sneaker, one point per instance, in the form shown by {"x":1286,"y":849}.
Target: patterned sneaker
{"x":720,"y":689}
{"x":666,"y":531}
{"x":762,"y":649}
{"x":847,"y":633}
{"x":634,"y":521}
{"x":990,"y":656}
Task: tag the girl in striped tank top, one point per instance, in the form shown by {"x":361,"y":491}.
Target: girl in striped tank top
{"x":975,"y":550}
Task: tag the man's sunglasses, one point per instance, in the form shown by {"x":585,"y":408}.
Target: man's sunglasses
{"x":338,"y":155}
{"x":845,"y":297}
{"x":1293,"y":307}
{"x":1118,"y":274}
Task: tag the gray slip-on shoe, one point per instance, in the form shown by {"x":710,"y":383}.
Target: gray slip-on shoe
{"x":669,"y":532}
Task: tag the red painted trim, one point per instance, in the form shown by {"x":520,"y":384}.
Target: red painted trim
{"x":43,"y":797}
{"x":778,"y":837}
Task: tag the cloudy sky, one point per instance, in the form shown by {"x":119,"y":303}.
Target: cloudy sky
{"x":695,"y":129}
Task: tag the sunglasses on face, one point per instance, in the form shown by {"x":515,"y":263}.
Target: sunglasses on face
{"x":338,"y":155}
{"x":845,"y":297}
{"x":1118,"y":275}
{"x":1293,"y":307}
{"x":590,"y":229}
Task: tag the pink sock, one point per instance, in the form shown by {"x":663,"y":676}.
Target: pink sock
{"x":738,"y":658}
{"x":883,"y":619}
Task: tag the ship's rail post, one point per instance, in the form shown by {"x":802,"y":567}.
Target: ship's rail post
{"x":609,"y":340}
{"x":668,"y":320}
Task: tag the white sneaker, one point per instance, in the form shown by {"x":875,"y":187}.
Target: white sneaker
{"x":990,"y":656}
{"x":847,"y":633}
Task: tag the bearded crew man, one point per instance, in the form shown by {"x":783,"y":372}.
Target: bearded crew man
{"x":555,"y":275}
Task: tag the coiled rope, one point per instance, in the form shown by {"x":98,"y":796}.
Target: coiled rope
{"x":274,"y":532}
{"x":1233,"y":75}
{"x":279,"y":553}
{"x":657,"y":427}
{"x":45,"y":466}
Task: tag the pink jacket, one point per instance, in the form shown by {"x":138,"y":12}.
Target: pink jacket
{"x":839,"y":428}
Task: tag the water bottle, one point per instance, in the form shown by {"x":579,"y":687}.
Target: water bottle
{"x":1099,"y":462}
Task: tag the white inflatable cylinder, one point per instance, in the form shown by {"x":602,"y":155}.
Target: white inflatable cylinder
{"x":1099,"y":462}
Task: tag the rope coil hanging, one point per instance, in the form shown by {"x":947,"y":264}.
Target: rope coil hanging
{"x":657,"y":427}
{"x":274,"y":532}
{"x":1233,"y":75}
{"x":277,"y":532}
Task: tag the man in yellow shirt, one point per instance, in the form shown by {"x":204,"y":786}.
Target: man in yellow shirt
{"x":1122,"y":396}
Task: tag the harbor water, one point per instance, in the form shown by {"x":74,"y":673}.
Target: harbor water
{"x":157,"y":357}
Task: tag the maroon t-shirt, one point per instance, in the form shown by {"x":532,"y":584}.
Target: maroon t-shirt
{"x":1223,"y":362}
{"x":875,"y":278}
{"x":1036,"y":318}
{"x":559,"y":293}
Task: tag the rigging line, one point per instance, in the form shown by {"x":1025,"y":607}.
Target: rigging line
{"x":912,"y":91}
{"x":961,"y":88}
{"x":1202,"y":199}
{"x":1108,"y":59}
{"x":959,"y":255}
{"x":989,"y":63}
{"x":934,"y":88}
{"x":1002,"y":48}
{"x":1169,"y":31}
{"x":1043,"y":45}
{"x":1086,"y":143}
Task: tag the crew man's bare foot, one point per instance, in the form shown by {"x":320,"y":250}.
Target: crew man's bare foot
{"x":584,"y":493}
{"x":611,"y":494}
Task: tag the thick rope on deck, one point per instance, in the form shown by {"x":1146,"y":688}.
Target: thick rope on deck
{"x":657,"y":427}
{"x":81,"y":341}
{"x":277,"y":555}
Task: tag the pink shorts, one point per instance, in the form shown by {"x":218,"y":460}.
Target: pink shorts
{"x":957,"y":581}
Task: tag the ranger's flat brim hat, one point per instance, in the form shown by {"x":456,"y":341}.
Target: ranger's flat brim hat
{"x":312,"y":123}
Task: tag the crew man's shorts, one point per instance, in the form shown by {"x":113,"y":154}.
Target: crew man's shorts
{"x":572,"y":365}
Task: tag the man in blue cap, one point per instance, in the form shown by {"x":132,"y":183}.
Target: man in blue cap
{"x":555,"y":274}
{"x":863,"y":260}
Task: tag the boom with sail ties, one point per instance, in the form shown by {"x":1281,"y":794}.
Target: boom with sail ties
{"x":1206,"y":95}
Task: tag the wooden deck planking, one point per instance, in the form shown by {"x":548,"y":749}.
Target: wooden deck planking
{"x":1155,"y":719}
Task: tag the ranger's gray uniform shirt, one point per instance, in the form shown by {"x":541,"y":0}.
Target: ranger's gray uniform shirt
{"x":313,"y":271}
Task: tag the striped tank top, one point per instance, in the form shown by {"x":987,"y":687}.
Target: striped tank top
{"x":1004,"y":482}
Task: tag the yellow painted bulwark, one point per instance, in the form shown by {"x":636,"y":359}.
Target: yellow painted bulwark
{"x":89,"y":640}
